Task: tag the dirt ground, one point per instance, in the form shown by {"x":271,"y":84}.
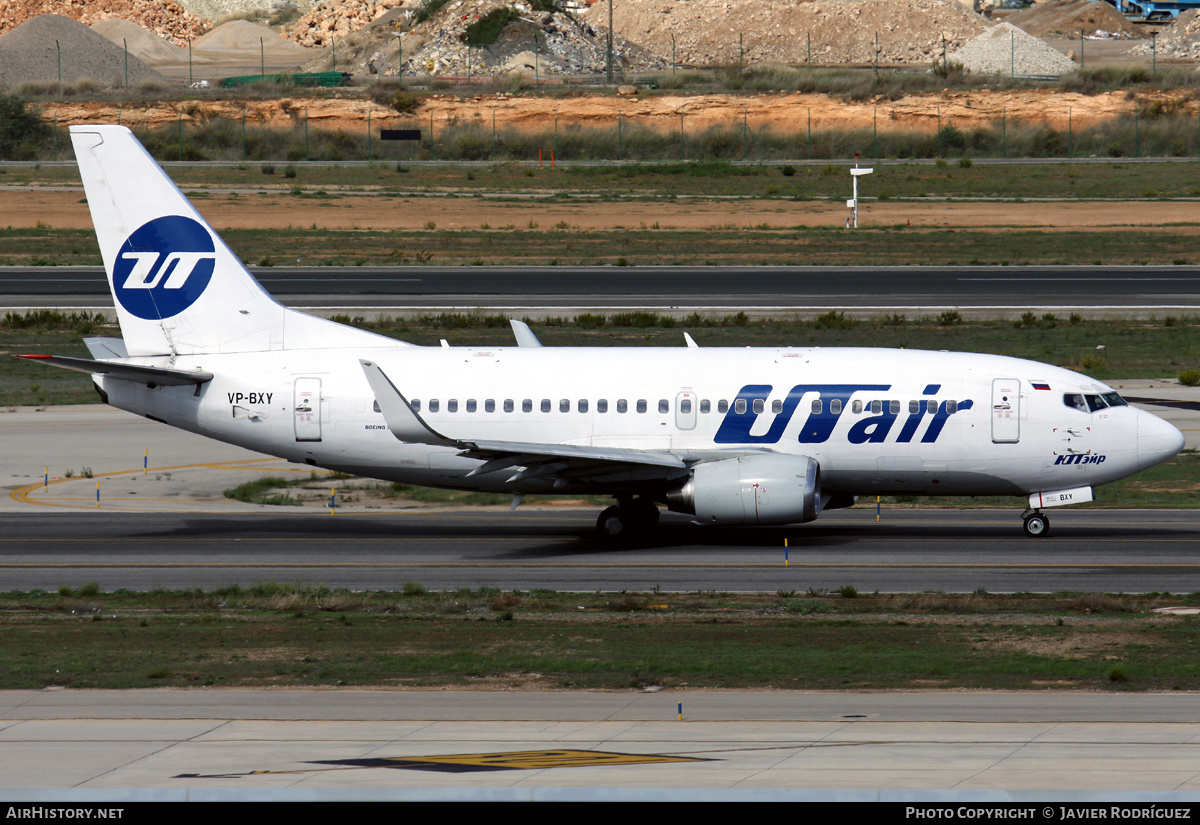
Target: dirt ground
{"x":781,"y":112}
{"x":62,"y":209}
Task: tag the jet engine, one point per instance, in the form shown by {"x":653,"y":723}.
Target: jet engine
{"x":756,"y":489}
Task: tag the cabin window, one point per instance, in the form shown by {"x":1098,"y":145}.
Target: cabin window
{"x":876,"y":407}
{"x":434,"y":404}
{"x":951,"y":407}
{"x":722,"y":406}
{"x":546,"y":405}
{"x":470,"y":405}
{"x":705,"y":406}
{"x":931,"y":406}
{"x":818,"y":406}
{"x":583,"y":405}
{"x":641,"y":405}
{"x":685,"y":406}
{"x":416,"y":405}
{"x":914,"y":407}
{"x":602,"y":405}
{"x":835,"y":406}
{"x":664,"y":406}
{"x":489,"y":405}
{"x":758,"y":406}
{"x":894,"y":407}
{"x":527,"y":405}
{"x":856,"y":407}
{"x":739,"y":406}
{"x":508,"y":405}
{"x":452,"y":405}
{"x":622,"y":405}
{"x":777,"y":406}
{"x":564,"y":405}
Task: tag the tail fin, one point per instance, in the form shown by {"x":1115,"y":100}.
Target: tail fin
{"x":177,"y":287}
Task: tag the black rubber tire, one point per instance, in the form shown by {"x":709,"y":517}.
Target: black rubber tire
{"x":1036,"y":525}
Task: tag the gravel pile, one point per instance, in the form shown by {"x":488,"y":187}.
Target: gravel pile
{"x":1005,"y":49}
{"x":28,"y":55}
{"x":564,"y":45}
{"x":165,"y":18}
{"x":1180,"y":39}
{"x":147,"y":46}
{"x":219,"y":11}
{"x":330,"y":19}
{"x":1073,"y":19}
{"x":707,"y":32}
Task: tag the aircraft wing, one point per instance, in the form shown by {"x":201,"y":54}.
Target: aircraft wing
{"x":535,"y":459}
{"x":127,"y":372}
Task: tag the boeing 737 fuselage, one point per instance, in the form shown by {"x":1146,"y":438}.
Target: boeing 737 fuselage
{"x":732,"y":436}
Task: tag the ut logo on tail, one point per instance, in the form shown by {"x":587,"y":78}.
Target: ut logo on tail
{"x":163,"y":267}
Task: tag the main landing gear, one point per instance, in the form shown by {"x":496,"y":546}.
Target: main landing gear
{"x":628,"y":519}
{"x":1037,"y":523}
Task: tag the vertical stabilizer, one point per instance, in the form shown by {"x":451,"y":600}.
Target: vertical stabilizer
{"x":177,"y":287}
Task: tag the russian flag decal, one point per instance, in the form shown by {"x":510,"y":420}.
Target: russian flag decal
{"x":1040,"y":385}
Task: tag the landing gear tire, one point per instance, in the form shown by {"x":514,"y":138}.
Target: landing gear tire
{"x":1036,"y":525}
{"x":623,"y":522}
{"x":613,"y":524}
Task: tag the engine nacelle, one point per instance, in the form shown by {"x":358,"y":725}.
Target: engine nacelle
{"x":756,"y":489}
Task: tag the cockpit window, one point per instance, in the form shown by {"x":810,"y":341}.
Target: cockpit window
{"x":1089,"y":402}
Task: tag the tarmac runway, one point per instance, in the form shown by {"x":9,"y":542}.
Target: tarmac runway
{"x":918,"y":290}
{"x":168,"y":524}
{"x":355,"y":744}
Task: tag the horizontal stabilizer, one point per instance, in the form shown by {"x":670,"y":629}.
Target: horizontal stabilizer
{"x":126,"y":372}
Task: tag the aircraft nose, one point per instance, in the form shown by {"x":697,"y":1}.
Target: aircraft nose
{"x":1157,"y":440}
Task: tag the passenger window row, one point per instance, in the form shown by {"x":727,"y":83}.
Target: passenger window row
{"x":564,"y":405}
{"x":705,"y":406}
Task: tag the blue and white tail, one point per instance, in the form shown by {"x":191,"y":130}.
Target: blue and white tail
{"x":177,"y":287}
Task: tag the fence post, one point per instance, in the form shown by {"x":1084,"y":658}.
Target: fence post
{"x":939,"y":131}
{"x":682,"y":156}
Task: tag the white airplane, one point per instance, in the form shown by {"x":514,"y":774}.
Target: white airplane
{"x":729,"y":435}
